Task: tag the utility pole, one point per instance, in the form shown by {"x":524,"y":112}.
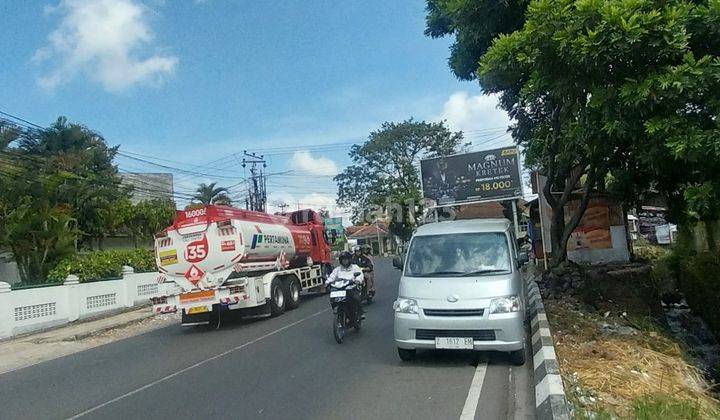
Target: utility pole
{"x":380,"y":244}
{"x":283,"y":206}
{"x":257,"y":193}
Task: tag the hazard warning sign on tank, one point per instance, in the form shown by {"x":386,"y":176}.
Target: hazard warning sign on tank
{"x":194,"y":274}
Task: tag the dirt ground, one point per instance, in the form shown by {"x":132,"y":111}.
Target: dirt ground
{"x":612,"y":362}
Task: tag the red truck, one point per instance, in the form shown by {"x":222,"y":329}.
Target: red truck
{"x":222,"y":258}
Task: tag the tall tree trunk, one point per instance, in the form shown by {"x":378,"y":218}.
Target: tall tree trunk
{"x":560,"y":230}
{"x":710,"y":235}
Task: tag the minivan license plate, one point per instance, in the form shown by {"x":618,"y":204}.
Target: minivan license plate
{"x":453,"y":342}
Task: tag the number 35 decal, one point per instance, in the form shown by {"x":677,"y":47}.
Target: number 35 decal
{"x":196,"y":251}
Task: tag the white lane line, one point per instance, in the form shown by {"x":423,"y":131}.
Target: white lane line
{"x":473,"y":397}
{"x":196,"y":365}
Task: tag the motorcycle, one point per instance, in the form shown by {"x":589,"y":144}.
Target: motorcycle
{"x":346,"y":311}
{"x":367,"y":295}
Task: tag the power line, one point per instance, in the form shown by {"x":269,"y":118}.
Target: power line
{"x":179,"y":169}
{"x":22,"y":120}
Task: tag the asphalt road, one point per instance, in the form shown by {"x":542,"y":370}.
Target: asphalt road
{"x":279,"y":368}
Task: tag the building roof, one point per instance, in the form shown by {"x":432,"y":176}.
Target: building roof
{"x":464,"y":226}
{"x":368,"y":231}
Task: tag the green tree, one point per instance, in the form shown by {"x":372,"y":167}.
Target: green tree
{"x":384,"y":172}
{"x":323,"y":213}
{"x":474,"y":24}
{"x":149,"y":217}
{"x":37,"y":229}
{"x":607,"y":94}
{"x":57,"y":189}
{"x":81,"y":156}
{"x":209,"y":194}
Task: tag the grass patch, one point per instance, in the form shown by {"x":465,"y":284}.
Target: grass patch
{"x":653,"y":407}
{"x":613,"y":371}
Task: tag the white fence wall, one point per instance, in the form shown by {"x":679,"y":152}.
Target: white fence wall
{"x":27,"y":310}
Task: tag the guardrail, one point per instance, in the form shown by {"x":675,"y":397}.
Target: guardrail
{"x":31,"y":309}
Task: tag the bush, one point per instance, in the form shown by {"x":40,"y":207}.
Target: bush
{"x":699,"y":280}
{"x":100,"y":265}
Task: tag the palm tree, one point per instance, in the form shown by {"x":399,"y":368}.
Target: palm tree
{"x":209,"y":194}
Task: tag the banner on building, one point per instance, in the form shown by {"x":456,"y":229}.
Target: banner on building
{"x":472,"y":177}
{"x":593,"y":231}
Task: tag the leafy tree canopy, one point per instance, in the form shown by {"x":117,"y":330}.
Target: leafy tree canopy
{"x":614,"y":94}
{"x":58,"y":188}
{"x":384,"y":173}
{"x":210,"y":194}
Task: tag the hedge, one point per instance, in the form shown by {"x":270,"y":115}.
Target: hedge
{"x":99,"y":265}
{"x":699,"y":281}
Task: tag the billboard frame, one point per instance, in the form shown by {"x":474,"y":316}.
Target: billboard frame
{"x":489,"y":200}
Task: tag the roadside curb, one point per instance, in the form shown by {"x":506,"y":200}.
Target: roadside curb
{"x":102,"y":329}
{"x":92,"y":331}
{"x":550,"y":400}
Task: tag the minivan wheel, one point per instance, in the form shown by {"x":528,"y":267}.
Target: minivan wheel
{"x":406,"y":355}
{"x":517,"y":357}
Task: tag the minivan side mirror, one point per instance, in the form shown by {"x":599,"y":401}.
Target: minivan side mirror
{"x":523,"y":258}
{"x":397,"y":262}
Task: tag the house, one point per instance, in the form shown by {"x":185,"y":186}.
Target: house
{"x":601,"y":236}
{"x":377,"y":235}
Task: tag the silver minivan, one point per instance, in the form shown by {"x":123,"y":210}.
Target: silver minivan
{"x":461,"y":289}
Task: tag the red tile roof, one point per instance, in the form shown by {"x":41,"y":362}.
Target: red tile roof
{"x":357,"y":232}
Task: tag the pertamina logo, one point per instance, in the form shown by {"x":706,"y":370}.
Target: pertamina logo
{"x":265,"y":238}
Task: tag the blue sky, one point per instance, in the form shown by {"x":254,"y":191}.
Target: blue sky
{"x":196,"y":81}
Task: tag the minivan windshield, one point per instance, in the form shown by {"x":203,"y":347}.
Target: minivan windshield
{"x":457,"y":255}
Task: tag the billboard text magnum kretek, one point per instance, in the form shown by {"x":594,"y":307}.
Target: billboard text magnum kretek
{"x":470,"y":177}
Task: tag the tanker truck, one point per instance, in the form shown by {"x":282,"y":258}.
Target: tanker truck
{"x":219,"y":258}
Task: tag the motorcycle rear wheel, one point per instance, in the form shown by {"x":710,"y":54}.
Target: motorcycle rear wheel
{"x":339,"y":327}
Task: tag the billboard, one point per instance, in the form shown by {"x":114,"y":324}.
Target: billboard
{"x":334,"y":227}
{"x":472,"y":177}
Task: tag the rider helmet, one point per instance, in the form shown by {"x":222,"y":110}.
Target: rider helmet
{"x":345,"y":259}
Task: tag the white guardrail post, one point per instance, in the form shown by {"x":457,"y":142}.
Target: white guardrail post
{"x":6,"y":311}
{"x":72,"y":288}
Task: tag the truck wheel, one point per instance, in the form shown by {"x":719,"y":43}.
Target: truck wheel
{"x":406,"y":355}
{"x":293,"y":292}
{"x":277,"y":297}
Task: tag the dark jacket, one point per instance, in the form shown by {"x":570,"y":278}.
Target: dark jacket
{"x":363,"y":261}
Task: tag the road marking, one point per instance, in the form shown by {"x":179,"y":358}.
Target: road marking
{"x":473,"y":397}
{"x":196,"y":365}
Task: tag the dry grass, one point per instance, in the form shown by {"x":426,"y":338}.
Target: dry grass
{"x":618,"y":370}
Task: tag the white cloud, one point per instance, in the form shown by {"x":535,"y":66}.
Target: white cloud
{"x":305,"y":162}
{"x":468,"y":113}
{"x":105,"y":40}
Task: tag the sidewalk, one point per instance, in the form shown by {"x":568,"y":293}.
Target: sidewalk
{"x":47,"y":345}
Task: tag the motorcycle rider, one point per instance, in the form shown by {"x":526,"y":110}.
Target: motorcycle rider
{"x":362,"y":259}
{"x":351,"y":272}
